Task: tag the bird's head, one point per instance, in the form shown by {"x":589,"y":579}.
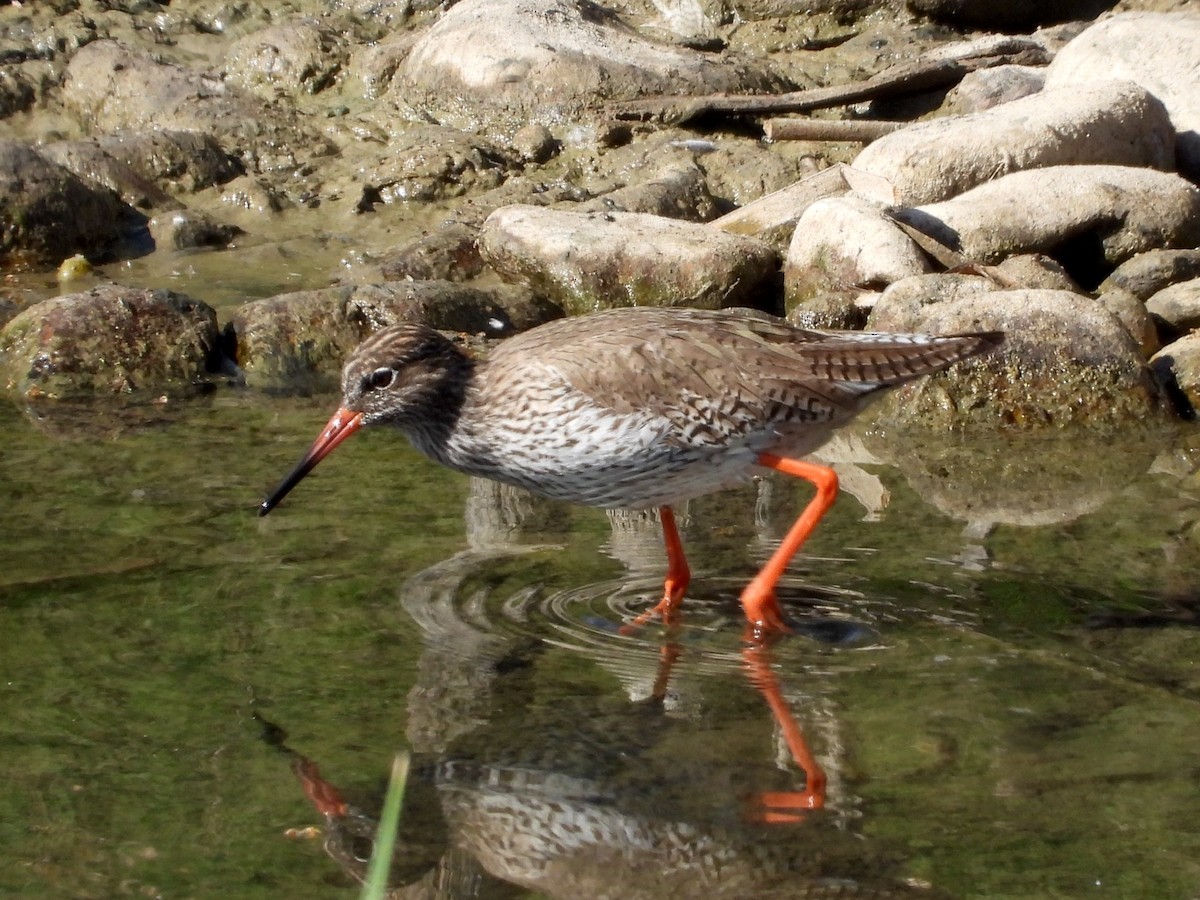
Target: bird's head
{"x":402,"y":376}
{"x":409,"y":376}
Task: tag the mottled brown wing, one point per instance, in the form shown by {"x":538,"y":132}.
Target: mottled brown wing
{"x":716,"y":375}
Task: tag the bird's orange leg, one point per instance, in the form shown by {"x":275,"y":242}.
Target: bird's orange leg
{"x":758,"y":599}
{"x":678,"y":575}
{"x":783,"y":807}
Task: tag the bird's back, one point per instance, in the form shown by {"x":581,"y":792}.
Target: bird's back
{"x":720,"y":372}
{"x":643,"y":407}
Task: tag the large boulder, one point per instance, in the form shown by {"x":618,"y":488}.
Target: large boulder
{"x":1090,"y":218}
{"x":848,"y":242}
{"x":108,"y":340}
{"x":591,"y":261}
{"x":502,"y":63}
{"x":1115,"y":122}
{"x":1066,"y":360}
{"x":1159,"y":51}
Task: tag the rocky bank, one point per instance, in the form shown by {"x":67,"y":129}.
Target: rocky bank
{"x":236,"y":192}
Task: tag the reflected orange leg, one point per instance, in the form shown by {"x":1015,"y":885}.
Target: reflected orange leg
{"x":758,"y":599}
{"x":678,"y":576}
{"x":669,"y":654}
{"x":782,"y":807}
{"x":324,"y":796}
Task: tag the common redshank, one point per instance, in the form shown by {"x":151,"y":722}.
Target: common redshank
{"x":633,"y":409}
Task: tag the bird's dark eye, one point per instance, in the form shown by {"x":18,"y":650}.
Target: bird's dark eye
{"x":380,"y":379}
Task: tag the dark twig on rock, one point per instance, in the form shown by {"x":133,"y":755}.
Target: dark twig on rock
{"x":898,"y":80}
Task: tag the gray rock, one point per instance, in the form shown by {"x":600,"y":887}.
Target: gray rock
{"x":678,"y":191}
{"x":1090,"y":218}
{"x":434,"y":162}
{"x":1177,"y":306}
{"x":181,"y":162}
{"x":1034,"y":270}
{"x":829,"y":311}
{"x":1134,"y":316}
{"x":451,"y":254}
{"x":111,"y":87}
{"x":1159,"y":51}
{"x":1066,"y":360}
{"x":147,"y":168}
{"x":902,"y":301}
{"x":535,"y":143}
{"x":1178,"y":364}
{"x":17,"y":94}
{"x":1109,"y":122}
{"x":986,"y":88}
{"x":501,"y":63}
{"x":847,"y":242}
{"x":1148,"y":273}
{"x":372,"y":66}
{"x":591,"y":261}
{"x":773,"y":217}
{"x":108,"y":340}
{"x":390,"y":12}
{"x":741,"y":171}
{"x":255,"y":196}
{"x":290,"y":58}
{"x":90,"y":162}
{"x":47,"y":213}
{"x":189,"y":229}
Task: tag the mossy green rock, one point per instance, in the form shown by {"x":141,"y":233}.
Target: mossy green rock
{"x":108,"y":340}
{"x":1066,"y":360}
{"x":299,"y":341}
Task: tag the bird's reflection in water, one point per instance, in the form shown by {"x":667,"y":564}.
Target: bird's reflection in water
{"x":586,"y":797}
{"x":531,"y":772}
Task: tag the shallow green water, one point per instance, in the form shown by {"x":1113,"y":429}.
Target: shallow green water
{"x":997,"y":671}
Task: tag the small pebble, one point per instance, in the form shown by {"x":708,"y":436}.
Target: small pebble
{"x":73,"y":268}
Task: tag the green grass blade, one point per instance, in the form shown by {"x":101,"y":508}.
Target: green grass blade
{"x":375,"y":887}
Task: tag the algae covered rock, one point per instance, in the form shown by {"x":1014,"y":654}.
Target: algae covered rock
{"x":1066,"y":360}
{"x":108,"y":340}
{"x":299,"y":341}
